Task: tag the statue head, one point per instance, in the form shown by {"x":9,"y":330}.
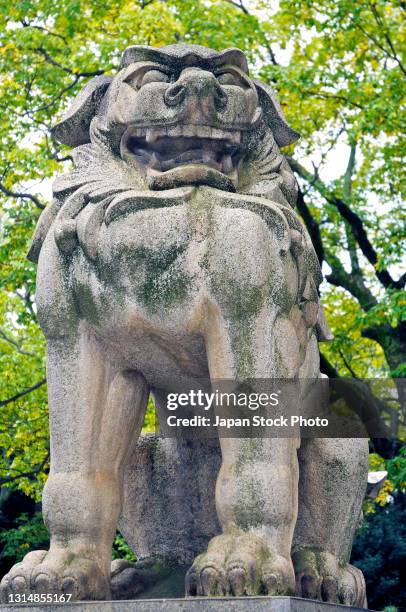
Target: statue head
{"x":180,"y":114}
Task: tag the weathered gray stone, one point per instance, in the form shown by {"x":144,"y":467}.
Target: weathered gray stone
{"x":168,"y":507}
{"x":172,"y":252}
{"x":206,"y":604}
{"x":169,"y":514}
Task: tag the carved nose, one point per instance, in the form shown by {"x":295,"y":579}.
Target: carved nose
{"x":195,"y":89}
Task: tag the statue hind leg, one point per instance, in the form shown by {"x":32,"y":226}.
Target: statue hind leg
{"x":96,"y":413}
{"x":332,"y":484}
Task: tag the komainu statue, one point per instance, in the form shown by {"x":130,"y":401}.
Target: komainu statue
{"x":173,"y":251}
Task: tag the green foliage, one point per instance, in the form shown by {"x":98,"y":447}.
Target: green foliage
{"x":380,"y":552}
{"x":349,"y":352}
{"x":150,"y":416}
{"x":396,"y":468}
{"x":29,"y":534}
{"x":48,"y":51}
{"x":338,"y":68}
{"x":395,"y":482}
{"x":121,"y":550}
{"x":24,"y":422}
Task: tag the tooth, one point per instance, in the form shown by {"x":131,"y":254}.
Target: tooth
{"x":151,"y":135}
{"x":227,"y":164}
{"x":154,"y":162}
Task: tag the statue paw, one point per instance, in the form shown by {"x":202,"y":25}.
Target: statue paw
{"x":55,"y":573}
{"x":352,"y":590}
{"x":207,"y":574}
{"x":319,"y":576}
{"x":239,"y":565}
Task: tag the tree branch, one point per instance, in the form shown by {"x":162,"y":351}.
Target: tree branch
{"x":268,"y":47}
{"x":379,"y":20}
{"x":365,"y":405}
{"x":34,"y":471}
{"x":26,"y":24}
{"x":51,"y":60}
{"x":23,"y":196}
{"x":22,"y":393}
{"x":239,"y":5}
{"x":347,"y":364}
{"x":56,"y":98}
{"x":352,"y":218}
{"x":27,"y":301}
{"x":351,"y":242}
{"x":328,"y":96}
{"x":311,"y":225}
{"x":349,"y":171}
{"x":15,"y":344}
{"x":339,"y":276}
{"x":54,"y":149}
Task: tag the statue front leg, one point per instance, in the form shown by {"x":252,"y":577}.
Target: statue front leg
{"x":256,"y":500}
{"x":96,"y":413}
{"x":256,"y":494}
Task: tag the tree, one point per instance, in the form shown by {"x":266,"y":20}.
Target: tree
{"x":380,"y":552}
{"x":338,"y":68}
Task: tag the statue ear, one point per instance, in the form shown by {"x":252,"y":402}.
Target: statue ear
{"x":73,"y":129}
{"x":273,"y":115}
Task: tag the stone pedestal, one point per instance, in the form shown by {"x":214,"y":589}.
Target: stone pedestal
{"x":203,"y":604}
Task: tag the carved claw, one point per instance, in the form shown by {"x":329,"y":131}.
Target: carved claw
{"x":329,"y":589}
{"x":41,"y":572}
{"x":210,"y":581}
{"x":191,"y":579}
{"x":239,"y":566}
{"x":237,"y":578}
{"x":319,"y":576}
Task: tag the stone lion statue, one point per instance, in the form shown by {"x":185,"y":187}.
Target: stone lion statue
{"x":173,"y":251}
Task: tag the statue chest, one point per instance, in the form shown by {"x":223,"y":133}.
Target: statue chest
{"x":160,"y":264}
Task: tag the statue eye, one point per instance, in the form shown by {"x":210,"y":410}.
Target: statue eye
{"x":228,"y":78}
{"x":155,"y":76}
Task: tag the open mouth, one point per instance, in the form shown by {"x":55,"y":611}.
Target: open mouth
{"x":175,"y":149}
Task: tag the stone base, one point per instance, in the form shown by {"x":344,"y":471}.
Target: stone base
{"x":195,"y":604}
